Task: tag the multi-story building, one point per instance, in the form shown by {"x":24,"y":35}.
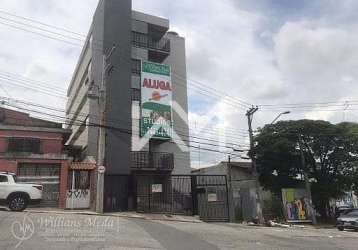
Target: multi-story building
{"x":139,"y":39}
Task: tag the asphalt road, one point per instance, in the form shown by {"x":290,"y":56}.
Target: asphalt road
{"x":57,"y":231}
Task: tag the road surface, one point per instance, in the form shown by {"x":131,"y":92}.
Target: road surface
{"x":68,"y":231}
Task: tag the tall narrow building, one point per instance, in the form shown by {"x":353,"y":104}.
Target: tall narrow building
{"x":140,"y":66}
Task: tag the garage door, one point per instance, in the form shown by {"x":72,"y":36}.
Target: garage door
{"x":47,"y":175}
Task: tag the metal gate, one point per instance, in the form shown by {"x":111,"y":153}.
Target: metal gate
{"x":164,"y":194}
{"x":203,"y":195}
{"x":47,"y":175}
{"x":212,"y":197}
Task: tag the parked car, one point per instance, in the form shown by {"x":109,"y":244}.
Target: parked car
{"x":348,"y":220}
{"x":17,"y":196}
{"x":341,"y":210}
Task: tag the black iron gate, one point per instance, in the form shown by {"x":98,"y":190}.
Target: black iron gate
{"x":212,"y":197}
{"x":203,"y":195}
{"x":164,"y":194}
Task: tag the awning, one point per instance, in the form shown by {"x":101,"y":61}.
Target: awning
{"x":82,"y":166}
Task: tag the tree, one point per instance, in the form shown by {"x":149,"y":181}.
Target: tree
{"x":330,"y":151}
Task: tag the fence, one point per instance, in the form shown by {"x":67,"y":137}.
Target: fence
{"x":203,"y":195}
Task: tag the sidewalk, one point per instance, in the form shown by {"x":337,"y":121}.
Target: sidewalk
{"x":133,"y":215}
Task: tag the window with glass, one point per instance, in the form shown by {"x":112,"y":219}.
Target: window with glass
{"x":139,"y":39}
{"x":26,"y":145}
{"x":136,"y":67}
{"x":3,"y":178}
{"x":136,"y":95}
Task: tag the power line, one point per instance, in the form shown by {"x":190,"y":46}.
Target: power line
{"x":42,"y":23}
{"x":49,"y":91}
{"x":202,"y":88}
{"x":30,"y":88}
{"x":39,"y":28}
{"x":41,"y":34}
{"x":205,"y":86}
{"x":33,"y":85}
{"x":81,"y":122}
{"x":304,"y":103}
{"x":197,"y":84}
{"x":51,"y":86}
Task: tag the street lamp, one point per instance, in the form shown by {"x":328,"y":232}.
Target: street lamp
{"x":283,"y":113}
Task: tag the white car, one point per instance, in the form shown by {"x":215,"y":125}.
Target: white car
{"x":18,"y":195}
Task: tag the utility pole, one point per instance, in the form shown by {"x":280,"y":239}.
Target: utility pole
{"x":250,"y":113}
{"x":307,"y":182}
{"x":102,"y":131}
{"x":230,"y":190}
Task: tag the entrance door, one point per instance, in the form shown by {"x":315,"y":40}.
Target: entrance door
{"x":78,"y":189}
{"x":154,"y":193}
{"x":205,"y":195}
{"x":212,"y":196}
{"x":47,"y":175}
{"x":164,"y":194}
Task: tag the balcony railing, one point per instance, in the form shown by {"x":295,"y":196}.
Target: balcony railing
{"x":145,"y":41}
{"x":143,"y":160}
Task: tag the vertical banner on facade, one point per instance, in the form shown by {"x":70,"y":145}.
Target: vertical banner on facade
{"x":156,"y":97}
{"x":296,"y":205}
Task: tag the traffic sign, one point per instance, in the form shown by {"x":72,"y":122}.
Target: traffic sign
{"x":101,"y":169}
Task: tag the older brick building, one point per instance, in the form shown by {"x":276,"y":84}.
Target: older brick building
{"x":34,"y":150}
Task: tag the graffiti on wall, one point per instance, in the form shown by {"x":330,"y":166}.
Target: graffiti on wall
{"x":296,"y":204}
{"x":77,"y":193}
{"x":78,"y":198}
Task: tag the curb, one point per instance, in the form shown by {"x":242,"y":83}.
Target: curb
{"x":130,"y":216}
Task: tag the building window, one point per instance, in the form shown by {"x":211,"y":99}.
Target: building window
{"x":139,"y":39}
{"x":29,"y":169}
{"x":26,"y":145}
{"x":136,"y":67}
{"x":136,"y":95}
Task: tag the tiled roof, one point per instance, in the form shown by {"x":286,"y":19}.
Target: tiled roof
{"x":82,"y":166}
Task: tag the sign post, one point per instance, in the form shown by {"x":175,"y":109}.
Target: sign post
{"x":100,"y":188}
{"x":101,"y":169}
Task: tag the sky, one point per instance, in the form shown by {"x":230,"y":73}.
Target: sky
{"x":268,"y":52}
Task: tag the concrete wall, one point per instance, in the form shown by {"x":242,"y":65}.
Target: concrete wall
{"x":242,"y":189}
{"x":177,"y":61}
{"x":117,"y":30}
{"x":154,"y":20}
{"x":13,"y":117}
{"x":50,"y":143}
{"x":97,"y":37}
{"x":79,"y":105}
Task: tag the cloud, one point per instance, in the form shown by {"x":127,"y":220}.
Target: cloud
{"x":318,"y":62}
{"x":37,"y":57}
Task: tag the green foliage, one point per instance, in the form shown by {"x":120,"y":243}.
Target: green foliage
{"x":330,"y":152}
